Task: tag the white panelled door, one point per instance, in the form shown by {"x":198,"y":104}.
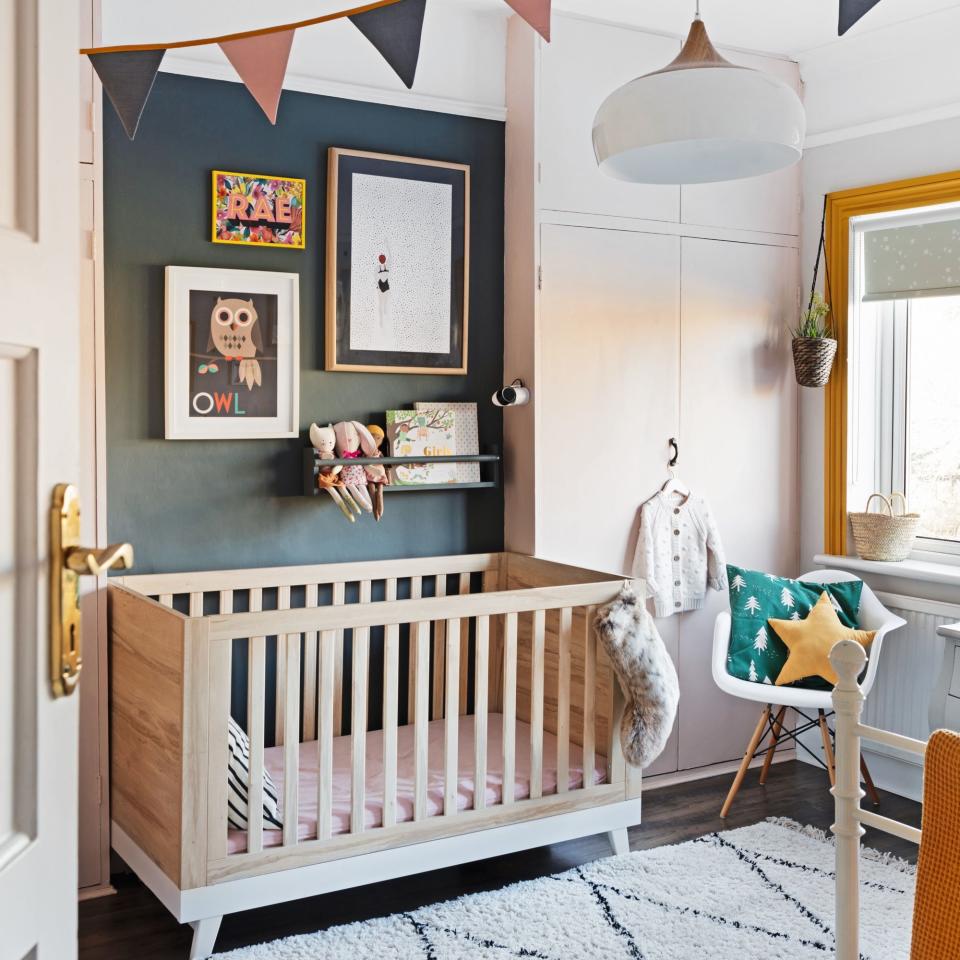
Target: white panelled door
{"x":609,"y":341}
{"x":39,"y":384}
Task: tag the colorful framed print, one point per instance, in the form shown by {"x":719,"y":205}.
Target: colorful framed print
{"x":259,"y":210}
{"x":232,"y":354}
{"x":398,"y":264}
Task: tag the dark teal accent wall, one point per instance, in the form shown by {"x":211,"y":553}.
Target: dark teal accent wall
{"x":196,"y":505}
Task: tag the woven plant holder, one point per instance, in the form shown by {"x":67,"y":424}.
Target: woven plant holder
{"x":884,"y":536}
{"x":813,"y":360}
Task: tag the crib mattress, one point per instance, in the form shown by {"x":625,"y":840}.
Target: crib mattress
{"x":373,"y":813}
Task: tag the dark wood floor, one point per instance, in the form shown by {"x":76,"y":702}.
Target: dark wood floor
{"x":134,"y":926}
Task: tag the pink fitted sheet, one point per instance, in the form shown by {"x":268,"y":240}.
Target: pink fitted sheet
{"x":273,"y":761}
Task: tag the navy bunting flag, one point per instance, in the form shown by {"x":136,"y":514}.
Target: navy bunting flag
{"x":395,"y":31}
{"x":127,"y":77}
{"x":852,"y":10}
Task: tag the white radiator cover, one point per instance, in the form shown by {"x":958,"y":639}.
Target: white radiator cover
{"x":910,"y":662}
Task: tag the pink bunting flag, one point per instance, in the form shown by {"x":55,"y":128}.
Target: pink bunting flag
{"x":261,"y":63}
{"x":536,"y":13}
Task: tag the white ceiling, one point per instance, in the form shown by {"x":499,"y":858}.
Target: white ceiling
{"x":784,"y":27}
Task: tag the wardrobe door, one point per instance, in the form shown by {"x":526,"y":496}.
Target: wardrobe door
{"x":581,"y":66}
{"x":738,"y":448}
{"x":606,"y":393}
{"x":771,"y":203}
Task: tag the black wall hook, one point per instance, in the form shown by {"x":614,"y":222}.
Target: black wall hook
{"x":676,"y":452}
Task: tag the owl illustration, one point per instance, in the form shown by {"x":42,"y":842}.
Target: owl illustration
{"x":235,"y":332}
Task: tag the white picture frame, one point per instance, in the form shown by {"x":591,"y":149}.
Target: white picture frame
{"x":255,"y":396}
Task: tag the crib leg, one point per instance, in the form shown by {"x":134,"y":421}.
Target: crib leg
{"x":204,"y":937}
{"x":619,"y":841}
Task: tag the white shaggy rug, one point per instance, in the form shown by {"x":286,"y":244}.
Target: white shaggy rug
{"x":763,"y":892}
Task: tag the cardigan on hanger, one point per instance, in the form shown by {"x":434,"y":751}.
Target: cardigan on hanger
{"x":679,"y":552}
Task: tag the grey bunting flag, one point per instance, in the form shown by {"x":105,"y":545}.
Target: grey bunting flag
{"x":395,"y":31}
{"x":127,"y":77}
{"x":852,"y":10}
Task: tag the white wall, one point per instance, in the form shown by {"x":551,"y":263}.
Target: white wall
{"x":462,"y":60}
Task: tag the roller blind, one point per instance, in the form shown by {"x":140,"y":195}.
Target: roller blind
{"x":919,"y":260}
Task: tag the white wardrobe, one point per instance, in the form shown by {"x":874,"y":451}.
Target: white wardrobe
{"x":637,"y":314}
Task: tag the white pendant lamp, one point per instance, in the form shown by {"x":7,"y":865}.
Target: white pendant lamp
{"x":698,"y":120}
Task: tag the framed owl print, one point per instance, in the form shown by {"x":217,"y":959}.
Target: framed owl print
{"x":398,"y":264}
{"x":232,"y":354}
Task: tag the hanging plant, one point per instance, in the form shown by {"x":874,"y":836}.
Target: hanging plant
{"x":814,"y":346}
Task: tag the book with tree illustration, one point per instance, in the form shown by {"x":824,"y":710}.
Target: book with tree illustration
{"x":430,"y":433}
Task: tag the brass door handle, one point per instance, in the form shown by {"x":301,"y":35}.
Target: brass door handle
{"x":68,"y":561}
{"x":84,"y":560}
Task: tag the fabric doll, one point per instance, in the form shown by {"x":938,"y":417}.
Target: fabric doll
{"x":324,"y":441}
{"x":351,"y":436}
{"x":376,"y":475}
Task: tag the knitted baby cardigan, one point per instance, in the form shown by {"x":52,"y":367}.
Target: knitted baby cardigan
{"x":679,"y":553}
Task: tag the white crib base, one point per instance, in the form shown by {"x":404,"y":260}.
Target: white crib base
{"x":204,"y":906}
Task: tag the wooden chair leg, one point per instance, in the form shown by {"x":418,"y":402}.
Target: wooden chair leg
{"x":828,"y":748}
{"x":868,"y":780}
{"x":774,"y":740}
{"x":747,"y":757}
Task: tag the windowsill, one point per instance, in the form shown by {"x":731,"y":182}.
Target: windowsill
{"x":905,"y":569}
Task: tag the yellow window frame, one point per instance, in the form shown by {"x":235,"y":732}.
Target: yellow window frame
{"x":841,"y":207}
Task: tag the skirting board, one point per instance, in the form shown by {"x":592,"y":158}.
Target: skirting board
{"x":714,"y":770}
{"x":233,"y":896}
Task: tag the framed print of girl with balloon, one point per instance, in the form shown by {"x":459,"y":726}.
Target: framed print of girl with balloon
{"x":398,"y":264}
{"x":232,"y":354}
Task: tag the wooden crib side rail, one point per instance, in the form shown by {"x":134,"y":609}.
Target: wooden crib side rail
{"x":302,"y":619}
{"x":158,"y":743}
{"x":271,"y":577}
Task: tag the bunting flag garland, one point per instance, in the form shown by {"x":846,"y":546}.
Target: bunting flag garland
{"x":260,"y":57}
{"x":851,"y":11}
{"x":261,"y":63}
{"x":537,"y":14}
{"x":127,"y":77}
{"x":395,"y":31}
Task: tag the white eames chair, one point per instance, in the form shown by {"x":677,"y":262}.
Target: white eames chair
{"x":776,"y":701}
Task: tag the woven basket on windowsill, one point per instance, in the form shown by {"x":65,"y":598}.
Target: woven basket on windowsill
{"x":813,"y":360}
{"x":884,"y":536}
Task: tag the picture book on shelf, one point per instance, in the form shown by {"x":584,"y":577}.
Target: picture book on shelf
{"x":428,"y":433}
{"x":466,"y":436}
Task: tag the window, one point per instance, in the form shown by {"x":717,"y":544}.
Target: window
{"x":904,"y":375}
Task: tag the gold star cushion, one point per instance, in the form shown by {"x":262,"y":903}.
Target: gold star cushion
{"x":810,"y":642}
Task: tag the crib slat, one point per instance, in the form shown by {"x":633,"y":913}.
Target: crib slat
{"x":464,"y":589}
{"x":310,"y":671}
{"x":589,"y":697}
{"x":391,"y":691}
{"x":509,"y":706}
{"x":291,"y":748}
{"x":616,"y":764}
{"x":165,"y":599}
{"x":283,"y":603}
{"x":491,"y":584}
{"x":421,"y":724}
{"x":451,"y":723}
{"x":325,"y":732}
{"x":416,"y":592}
{"x":358,"y":722}
{"x":339,"y":597}
{"x":480,"y":697}
{"x":439,"y":651}
{"x":218,"y":692}
{"x":196,"y":604}
{"x":256,"y":698}
{"x":537,"y":664}
{"x":563,"y":701}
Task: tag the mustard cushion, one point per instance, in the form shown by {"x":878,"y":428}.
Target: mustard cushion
{"x":810,"y":641}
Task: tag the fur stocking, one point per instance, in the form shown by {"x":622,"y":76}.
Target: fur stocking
{"x":646,"y":672}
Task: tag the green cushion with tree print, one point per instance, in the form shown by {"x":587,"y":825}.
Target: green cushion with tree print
{"x":755,"y":652}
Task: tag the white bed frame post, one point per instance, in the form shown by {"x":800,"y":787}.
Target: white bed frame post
{"x":848,"y":659}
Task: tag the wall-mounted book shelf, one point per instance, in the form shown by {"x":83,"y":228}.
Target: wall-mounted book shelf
{"x":489,"y":471}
